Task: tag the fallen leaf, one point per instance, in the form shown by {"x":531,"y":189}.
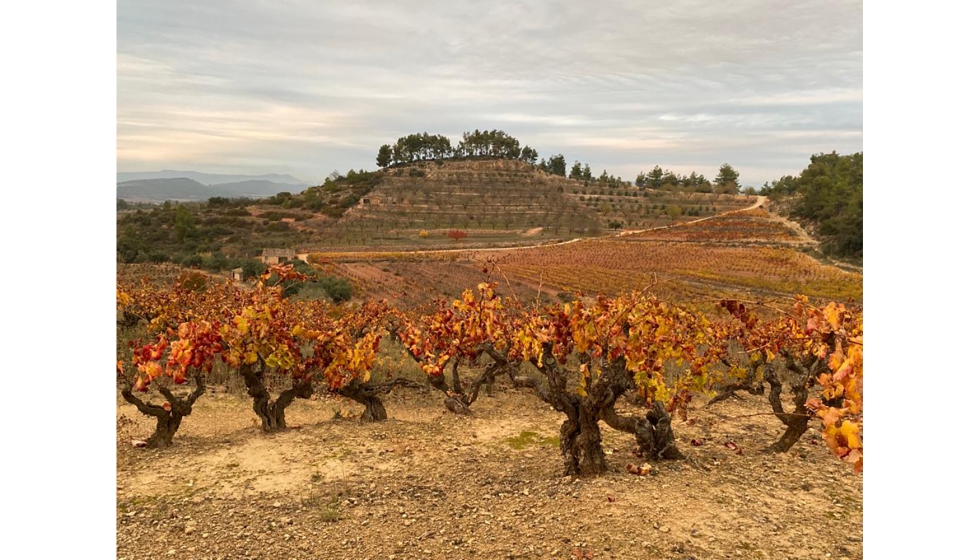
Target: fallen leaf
{"x":640,"y":470}
{"x":733,"y":446}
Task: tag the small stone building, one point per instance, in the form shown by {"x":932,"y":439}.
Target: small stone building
{"x":277,"y":256}
{"x":238,"y":274}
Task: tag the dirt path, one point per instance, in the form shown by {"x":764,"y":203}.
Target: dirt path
{"x":428,"y":484}
{"x":809,"y":240}
{"x":759,"y":201}
{"x":806,"y":238}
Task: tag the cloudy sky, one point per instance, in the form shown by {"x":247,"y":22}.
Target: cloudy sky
{"x":307,"y":87}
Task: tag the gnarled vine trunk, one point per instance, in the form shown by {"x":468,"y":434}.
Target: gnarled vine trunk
{"x":798,"y":421}
{"x":460,"y":397}
{"x":653,"y":432}
{"x":581,"y":439}
{"x":367,"y":395}
{"x":581,"y":445}
{"x":168,"y":421}
{"x":272,"y":412}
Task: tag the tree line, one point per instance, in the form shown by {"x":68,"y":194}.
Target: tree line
{"x":726,"y":182}
{"x":830,"y":194}
{"x":424,"y":146}
{"x":497,"y":143}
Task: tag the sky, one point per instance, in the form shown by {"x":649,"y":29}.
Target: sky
{"x":309,"y":87}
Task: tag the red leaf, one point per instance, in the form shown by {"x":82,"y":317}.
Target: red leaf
{"x":733,"y":446}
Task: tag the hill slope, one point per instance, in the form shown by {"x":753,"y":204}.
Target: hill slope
{"x":504,"y":200}
{"x":496,"y":202}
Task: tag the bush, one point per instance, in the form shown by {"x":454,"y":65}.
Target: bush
{"x":216,"y":262}
{"x":329,"y":287}
{"x":193,"y":281}
{"x":193,"y":261}
{"x":252,"y":269}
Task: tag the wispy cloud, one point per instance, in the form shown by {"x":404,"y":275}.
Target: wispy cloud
{"x":305,"y":87}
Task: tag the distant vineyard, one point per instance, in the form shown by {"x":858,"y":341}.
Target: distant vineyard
{"x":612,"y":266}
{"x":754,"y":225}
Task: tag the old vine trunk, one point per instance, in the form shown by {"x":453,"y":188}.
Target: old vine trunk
{"x":272,"y":412}
{"x":169,"y":416}
{"x":368,"y":395}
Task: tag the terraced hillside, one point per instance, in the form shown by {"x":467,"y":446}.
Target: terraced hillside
{"x":489,"y":200}
{"x":497,"y":201}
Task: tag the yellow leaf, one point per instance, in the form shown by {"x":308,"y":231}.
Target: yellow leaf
{"x":852,"y":432}
{"x":832,"y":314}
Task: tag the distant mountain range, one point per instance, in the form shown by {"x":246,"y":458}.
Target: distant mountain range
{"x":208,"y":178}
{"x":159,"y":190}
{"x":156,"y":186}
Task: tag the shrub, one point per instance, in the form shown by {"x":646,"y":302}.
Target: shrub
{"x":216,"y":262}
{"x":252,"y":269}
{"x":192,"y":261}
{"x":329,"y":287}
{"x":193,"y":281}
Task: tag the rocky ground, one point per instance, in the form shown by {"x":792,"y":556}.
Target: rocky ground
{"x":430,"y":484}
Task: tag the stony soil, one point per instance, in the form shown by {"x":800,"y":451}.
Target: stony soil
{"x":429,"y":484}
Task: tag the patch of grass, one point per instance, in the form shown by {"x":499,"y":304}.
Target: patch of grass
{"x":136,"y":502}
{"x":521,"y":441}
{"x":525,"y":439}
{"x":331,"y":512}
